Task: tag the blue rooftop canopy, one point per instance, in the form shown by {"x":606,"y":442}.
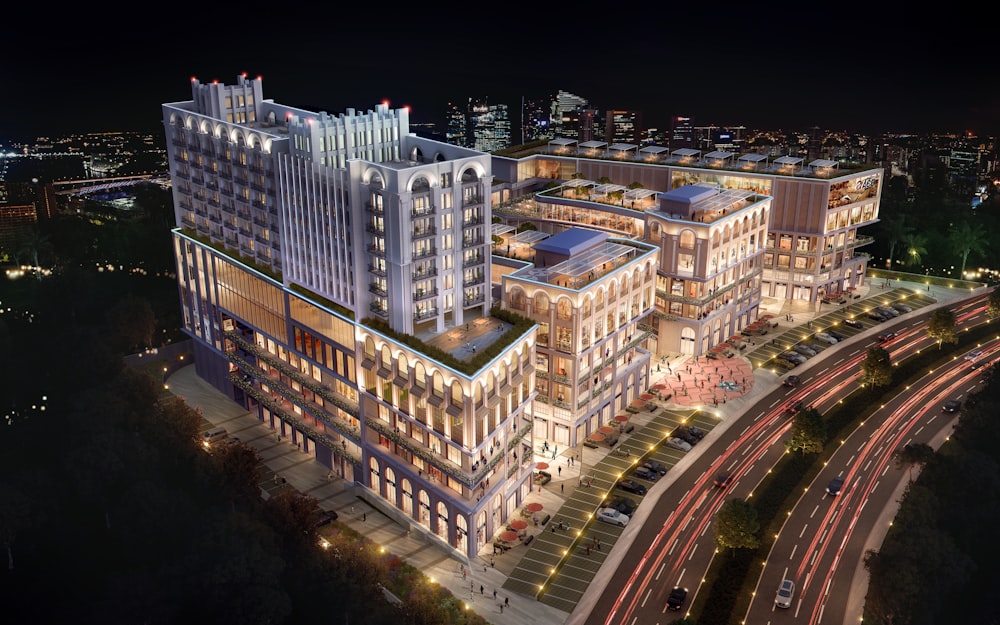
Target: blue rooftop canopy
{"x":572,"y":241}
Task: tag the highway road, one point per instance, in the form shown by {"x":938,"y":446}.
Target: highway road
{"x":679,"y":550}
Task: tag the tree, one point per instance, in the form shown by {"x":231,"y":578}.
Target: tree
{"x":895,"y":229}
{"x":912,"y":454}
{"x":916,"y":248}
{"x":808,"y":432}
{"x":876,"y":368}
{"x":941,"y":326}
{"x":993,"y":303}
{"x":133,"y":319}
{"x":736,"y":525}
{"x":965,"y":239}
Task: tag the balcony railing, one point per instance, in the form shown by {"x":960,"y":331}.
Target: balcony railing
{"x":421,"y":233}
{"x":422,"y":294}
{"x":425,"y":313}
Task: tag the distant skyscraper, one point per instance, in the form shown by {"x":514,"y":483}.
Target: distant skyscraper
{"x":566,"y":112}
{"x":479,"y":125}
{"x":681,"y":132}
{"x":536,"y":122}
{"x":623,"y":127}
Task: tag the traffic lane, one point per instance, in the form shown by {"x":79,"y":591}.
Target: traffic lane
{"x":820,"y":536}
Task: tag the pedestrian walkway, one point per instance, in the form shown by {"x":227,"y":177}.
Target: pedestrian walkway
{"x":518,"y":573}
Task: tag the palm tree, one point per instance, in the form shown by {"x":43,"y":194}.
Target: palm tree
{"x":916,"y":247}
{"x":895,"y":229}
{"x":965,"y":239}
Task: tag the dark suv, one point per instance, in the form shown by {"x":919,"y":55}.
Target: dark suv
{"x":622,"y":504}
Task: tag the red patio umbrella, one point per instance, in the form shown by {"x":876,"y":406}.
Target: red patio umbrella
{"x":646,"y":396}
{"x":621,"y":418}
{"x":541,"y":466}
{"x":767,"y":316}
{"x":518,"y":524}
{"x":508,"y":536}
{"x":534,"y":507}
{"x":606,"y":429}
{"x":735,"y":338}
{"x":596,"y":437}
{"x":724,"y":345}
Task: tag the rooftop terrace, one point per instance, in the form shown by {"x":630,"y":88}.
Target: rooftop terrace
{"x":752,"y":162}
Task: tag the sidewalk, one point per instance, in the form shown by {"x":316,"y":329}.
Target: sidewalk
{"x":490,"y":571}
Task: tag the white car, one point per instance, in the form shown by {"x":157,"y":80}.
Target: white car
{"x":612,"y":516}
{"x":826,"y":338}
{"x":678,"y":443}
{"x":974,"y":355}
{"x":784,"y":597}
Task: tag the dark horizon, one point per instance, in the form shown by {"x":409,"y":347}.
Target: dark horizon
{"x":880,"y":70}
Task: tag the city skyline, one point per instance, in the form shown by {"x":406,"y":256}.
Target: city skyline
{"x":839,"y":70}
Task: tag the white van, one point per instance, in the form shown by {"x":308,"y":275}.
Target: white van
{"x":214,"y":435}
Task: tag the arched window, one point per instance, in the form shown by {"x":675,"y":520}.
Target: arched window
{"x":687,"y":239}
{"x":517,"y":298}
{"x":541,"y":304}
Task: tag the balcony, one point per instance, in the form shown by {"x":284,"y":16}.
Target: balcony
{"x":472,"y":261}
{"x":377,"y":251}
{"x":424,"y":252}
{"x":372,"y":207}
{"x":472,"y":242}
{"x":421,"y":211}
{"x":379,"y":309}
{"x":474,"y":280}
{"x":377,"y":289}
{"x":422,"y":294}
{"x":472,"y":300}
{"x":473,"y":221}
{"x":425,"y":313}
{"x":422,"y":233}
{"x":378,"y":229}
{"x":377,"y":270}
{"x":428,"y":272}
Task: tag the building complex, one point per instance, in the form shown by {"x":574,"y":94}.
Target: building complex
{"x":420,"y":327}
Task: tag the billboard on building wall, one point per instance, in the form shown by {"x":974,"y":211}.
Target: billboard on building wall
{"x":854,"y":190}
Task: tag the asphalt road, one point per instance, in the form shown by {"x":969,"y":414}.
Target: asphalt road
{"x":675,"y":545}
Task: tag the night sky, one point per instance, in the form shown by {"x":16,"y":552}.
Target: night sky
{"x":790,"y":66}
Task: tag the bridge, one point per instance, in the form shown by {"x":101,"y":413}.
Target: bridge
{"x":98,"y":185}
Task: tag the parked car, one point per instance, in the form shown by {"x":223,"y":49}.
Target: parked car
{"x":792,"y":356}
{"x":723,"y":480}
{"x":685,"y":435}
{"x":696,"y":431}
{"x":791,"y":380}
{"x":831,"y":299}
{"x":647,"y":474}
{"x":785,"y":592}
{"x":805,"y":350}
{"x":826,"y":337}
{"x":854,"y":323}
{"x":676,"y":599}
{"x":612,"y":516}
{"x":952,"y":405}
{"x":678,"y":443}
{"x":902,"y":308}
{"x":835,"y":486}
{"x":836,"y":335}
{"x":658,"y":467}
{"x":886,"y":337}
{"x":784,"y":363}
{"x":622,"y":504}
{"x":888,"y":311}
{"x":876,"y":315}
{"x":632,"y":486}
